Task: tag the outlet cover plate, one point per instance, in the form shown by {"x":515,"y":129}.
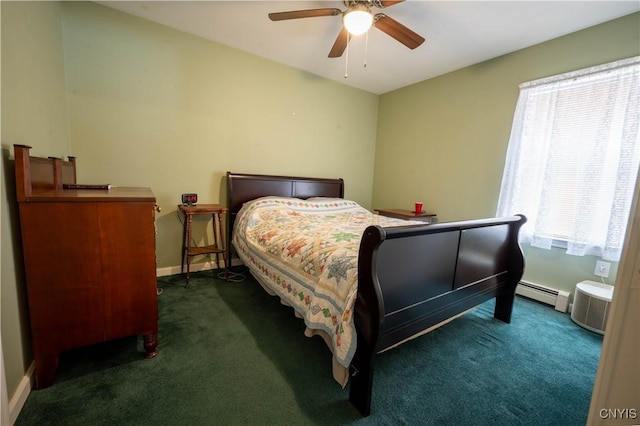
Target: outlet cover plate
{"x":602,"y":269}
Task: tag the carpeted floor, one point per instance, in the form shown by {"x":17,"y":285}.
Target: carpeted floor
{"x":230,"y":354}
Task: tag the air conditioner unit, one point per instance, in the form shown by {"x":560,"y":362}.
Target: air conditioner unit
{"x":591,"y":304}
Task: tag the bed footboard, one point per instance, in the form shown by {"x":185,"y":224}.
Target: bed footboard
{"x":413,"y":278}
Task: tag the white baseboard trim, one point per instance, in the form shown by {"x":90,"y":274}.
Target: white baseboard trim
{"x":195,"y":267}
{"x":22,"y":393}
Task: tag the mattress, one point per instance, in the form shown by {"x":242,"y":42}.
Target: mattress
{"x":306,"y":252}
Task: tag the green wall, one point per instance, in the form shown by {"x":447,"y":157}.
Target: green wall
{"x":152,"y":106}
{"x":33,"y":113}
{"x":443,"y":141}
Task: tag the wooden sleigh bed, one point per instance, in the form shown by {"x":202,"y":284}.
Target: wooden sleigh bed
{"x":410,"y":279}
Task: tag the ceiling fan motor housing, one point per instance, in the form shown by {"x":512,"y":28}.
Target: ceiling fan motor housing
{"x":365,"y":3}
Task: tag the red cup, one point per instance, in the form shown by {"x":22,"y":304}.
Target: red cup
{"x":418,"y":208}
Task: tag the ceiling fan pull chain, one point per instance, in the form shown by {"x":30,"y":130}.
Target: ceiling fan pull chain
{"x":366,"y":45}
{"x":346,"y":56}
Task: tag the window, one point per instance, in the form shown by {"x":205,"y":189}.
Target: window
{"x":573,"y":158}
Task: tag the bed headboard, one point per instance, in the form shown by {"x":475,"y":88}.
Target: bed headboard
{"x":246,"y":187}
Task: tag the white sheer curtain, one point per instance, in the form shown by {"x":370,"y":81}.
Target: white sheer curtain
{"x":573,"y":158}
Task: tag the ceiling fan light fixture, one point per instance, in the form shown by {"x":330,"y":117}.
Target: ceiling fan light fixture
{"x":357,"y":19}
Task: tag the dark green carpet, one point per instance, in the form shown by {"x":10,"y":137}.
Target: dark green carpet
{"x":230,"y":354}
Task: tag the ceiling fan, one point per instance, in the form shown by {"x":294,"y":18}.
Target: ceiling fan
{"x":356,"y":20}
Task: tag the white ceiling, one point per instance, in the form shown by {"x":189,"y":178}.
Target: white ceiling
{"x":458,"y":33}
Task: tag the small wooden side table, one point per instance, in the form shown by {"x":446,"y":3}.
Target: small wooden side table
{"x":408,"y":215}
{"x":217,"y":247}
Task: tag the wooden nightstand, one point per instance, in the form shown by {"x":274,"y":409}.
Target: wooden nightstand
{"x":217,"y":247}
{"x":408,"y":215}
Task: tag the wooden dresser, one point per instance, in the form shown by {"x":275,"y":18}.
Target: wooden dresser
{"x":89,"y":257}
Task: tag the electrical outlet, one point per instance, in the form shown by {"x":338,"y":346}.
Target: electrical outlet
{"x":602,"y":269}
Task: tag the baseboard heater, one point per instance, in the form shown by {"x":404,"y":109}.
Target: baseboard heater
{"x":559,"y":299}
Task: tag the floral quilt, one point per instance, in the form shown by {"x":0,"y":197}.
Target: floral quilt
{"x":306,"y":251}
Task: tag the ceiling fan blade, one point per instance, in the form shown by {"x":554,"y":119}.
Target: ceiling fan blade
{"x":340,"y":44}
{"x":310,"y":13}
{"x":390,"y":3}
{"x":398,"y":31}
